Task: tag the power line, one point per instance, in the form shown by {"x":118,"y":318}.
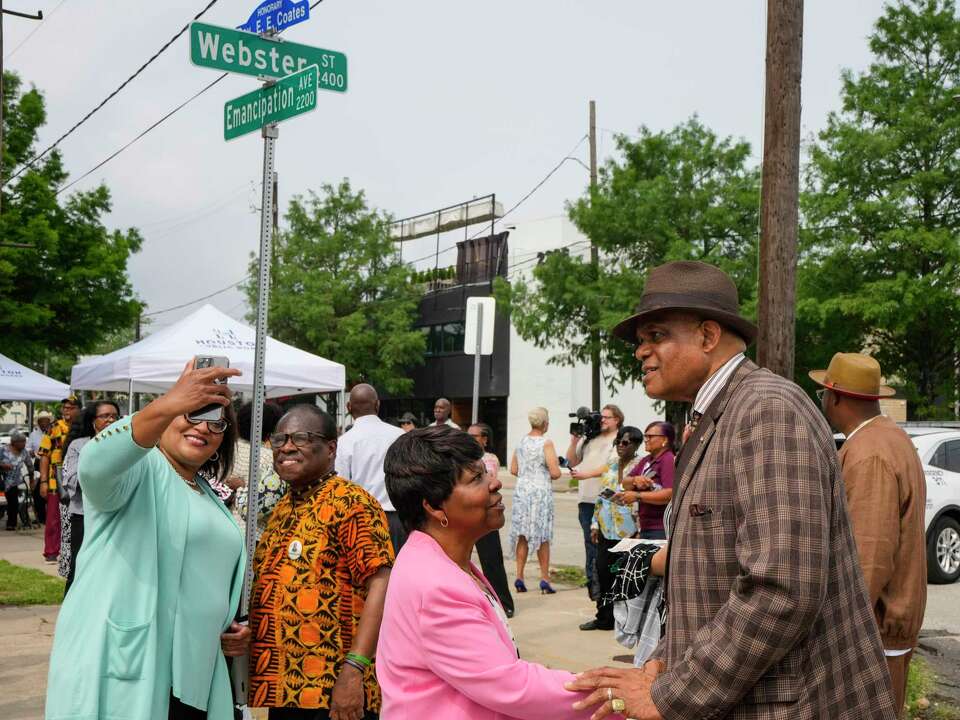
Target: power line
{"x":153,"y":126}
{"x":31,"y":33}
{"x":518,"y":204}
{"x":193,"y":302}
{"x":138,"y":137}
{"x":540,"y":184}
{"x":112,"y":95}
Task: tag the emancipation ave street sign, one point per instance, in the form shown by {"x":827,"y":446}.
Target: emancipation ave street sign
{"x":276,"y":15}
{"x":241,"y":52}
{"x":287,"y":98}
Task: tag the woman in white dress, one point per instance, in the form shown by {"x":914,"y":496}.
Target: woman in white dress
{"x":535,"y":465}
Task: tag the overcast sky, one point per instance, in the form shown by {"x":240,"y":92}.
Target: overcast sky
{"x":447,"y":101}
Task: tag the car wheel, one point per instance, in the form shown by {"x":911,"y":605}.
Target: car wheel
{"x":943,"y":552}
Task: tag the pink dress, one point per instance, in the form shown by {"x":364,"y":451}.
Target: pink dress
{"x":445,"y":652}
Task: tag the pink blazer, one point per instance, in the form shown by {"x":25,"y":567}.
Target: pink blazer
{"x":444,"y":653}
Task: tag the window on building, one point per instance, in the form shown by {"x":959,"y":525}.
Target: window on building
{"x":445,"y":339}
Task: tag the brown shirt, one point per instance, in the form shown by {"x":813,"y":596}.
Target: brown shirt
{"x":886,"y":496}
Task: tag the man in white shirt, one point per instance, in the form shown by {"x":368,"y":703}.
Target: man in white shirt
{"x":442,"y":410}
{"x":361,"y":450}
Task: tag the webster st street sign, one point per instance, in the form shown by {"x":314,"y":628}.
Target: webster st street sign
{"x":287,"y":98}
{"x":241,"y":52}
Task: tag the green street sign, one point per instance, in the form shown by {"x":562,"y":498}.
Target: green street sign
{"x":287,"y":98}
{"x":241,"y":52}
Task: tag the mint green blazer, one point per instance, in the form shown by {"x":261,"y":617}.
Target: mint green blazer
{"x":113,"y":646}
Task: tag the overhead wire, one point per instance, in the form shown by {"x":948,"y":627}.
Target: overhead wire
{"x":112,"y":95}
{"x":514,"y":207}
{"x":193,"y":302}
{"x":23,"y":42}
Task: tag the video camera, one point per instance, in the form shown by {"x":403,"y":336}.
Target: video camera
{"x":587,"y":424}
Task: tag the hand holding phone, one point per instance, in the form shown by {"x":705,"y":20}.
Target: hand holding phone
{"x":197,"y":389}
{"x":607,"y":493}
{"x":211,"y":411}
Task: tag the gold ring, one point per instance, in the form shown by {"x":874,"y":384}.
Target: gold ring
{"x":610,"y":694}
{"x":618,"y":705}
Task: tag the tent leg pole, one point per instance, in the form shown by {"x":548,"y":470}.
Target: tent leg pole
{"x":130,"y":398}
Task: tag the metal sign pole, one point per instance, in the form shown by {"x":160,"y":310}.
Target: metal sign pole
{"x":270,"y":133}
{"x":476,"y":366}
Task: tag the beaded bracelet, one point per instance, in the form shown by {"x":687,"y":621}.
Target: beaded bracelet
{"x":362,"y":659}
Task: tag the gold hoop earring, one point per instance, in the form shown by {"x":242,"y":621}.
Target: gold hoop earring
{"x":444,"y":522}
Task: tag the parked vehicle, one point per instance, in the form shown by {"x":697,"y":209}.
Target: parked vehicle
{"x":939,"y":449}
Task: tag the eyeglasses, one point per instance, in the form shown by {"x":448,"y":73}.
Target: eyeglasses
{"x":300,"y":438}
{"x":217,"y":427}
{"x":606,"y":417}
{"x":820,"y":393}
{"x":647,"y":437}
{"x":112,"y":417}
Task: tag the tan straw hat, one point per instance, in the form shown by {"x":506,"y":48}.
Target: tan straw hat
{"x":855,"y":375}
{"x":698,"y":287}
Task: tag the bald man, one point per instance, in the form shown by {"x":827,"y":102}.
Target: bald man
{"x":361,"y":450}
{"x":442,"y":410}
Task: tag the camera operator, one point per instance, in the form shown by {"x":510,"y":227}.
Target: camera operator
{"x":587,"y":457}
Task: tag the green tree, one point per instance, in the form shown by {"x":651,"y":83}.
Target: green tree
{"x":69,"y":290}
{"x":880,"y":256}
{"x":340,"y":291}
{"x":684,"y":194}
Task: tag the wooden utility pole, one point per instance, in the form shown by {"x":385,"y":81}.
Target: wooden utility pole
{"x":595,"y":262}
{"x":780,"y":188}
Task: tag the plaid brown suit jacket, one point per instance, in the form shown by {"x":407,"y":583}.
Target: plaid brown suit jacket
{"x":768,"y":614}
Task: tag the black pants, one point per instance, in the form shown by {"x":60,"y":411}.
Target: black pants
{"x":491,"y":562}
{"x":13,"y":507}
{"x":180,"y":711}
{"x":39,"y":505}
{"x":605,"y":575}
{"x":288,"y":713}
{"x":76,"y":540}
{"x":398,"y":536}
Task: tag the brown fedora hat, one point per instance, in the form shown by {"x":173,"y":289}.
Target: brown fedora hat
{"x":855,"y":375}
{"x":698,"y":287}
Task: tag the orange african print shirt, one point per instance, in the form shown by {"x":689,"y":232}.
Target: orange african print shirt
{"x":310,"y":570}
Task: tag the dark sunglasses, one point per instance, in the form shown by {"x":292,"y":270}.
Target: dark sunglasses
{"x":217,"y":427}
{"x":300,"y":438}
{"x":625,"y":442}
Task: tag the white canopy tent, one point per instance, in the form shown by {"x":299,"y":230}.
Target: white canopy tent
{"x":155,"y":363}
{"x":21,"y":383}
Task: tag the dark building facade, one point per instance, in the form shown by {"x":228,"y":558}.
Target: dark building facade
{"x":447,"y":371}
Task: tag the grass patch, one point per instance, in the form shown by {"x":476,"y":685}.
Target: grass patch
{"x":568,"y":575}
{"x":921,"y":684}
{"x":25,"y":586}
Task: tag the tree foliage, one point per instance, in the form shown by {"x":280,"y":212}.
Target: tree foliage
{"x":880,"y":256}
{"x":68,"y":291}
{"x":339,"y":290}
{"x":685,"y":194}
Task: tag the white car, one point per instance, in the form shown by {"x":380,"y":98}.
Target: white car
{"x":939,"y":450}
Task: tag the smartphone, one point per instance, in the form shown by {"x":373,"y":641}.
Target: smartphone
{"x":213,"y":411}
{"x":607,"y":493}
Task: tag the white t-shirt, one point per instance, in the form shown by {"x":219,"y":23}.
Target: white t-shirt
{"x":595,"y":455}
{"x":360,"y":454}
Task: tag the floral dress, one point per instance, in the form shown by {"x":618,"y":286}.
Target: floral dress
{"x":270,"y":488}
{"x":532,"y":515}
{"x":613,"y":520}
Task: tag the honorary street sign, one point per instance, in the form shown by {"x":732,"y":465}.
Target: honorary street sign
{"x":276,"y":15}
{"x":287,"y":98}
{"x":241,"y":52}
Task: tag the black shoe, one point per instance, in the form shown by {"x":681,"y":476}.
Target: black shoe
{"x":594,"y":625}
